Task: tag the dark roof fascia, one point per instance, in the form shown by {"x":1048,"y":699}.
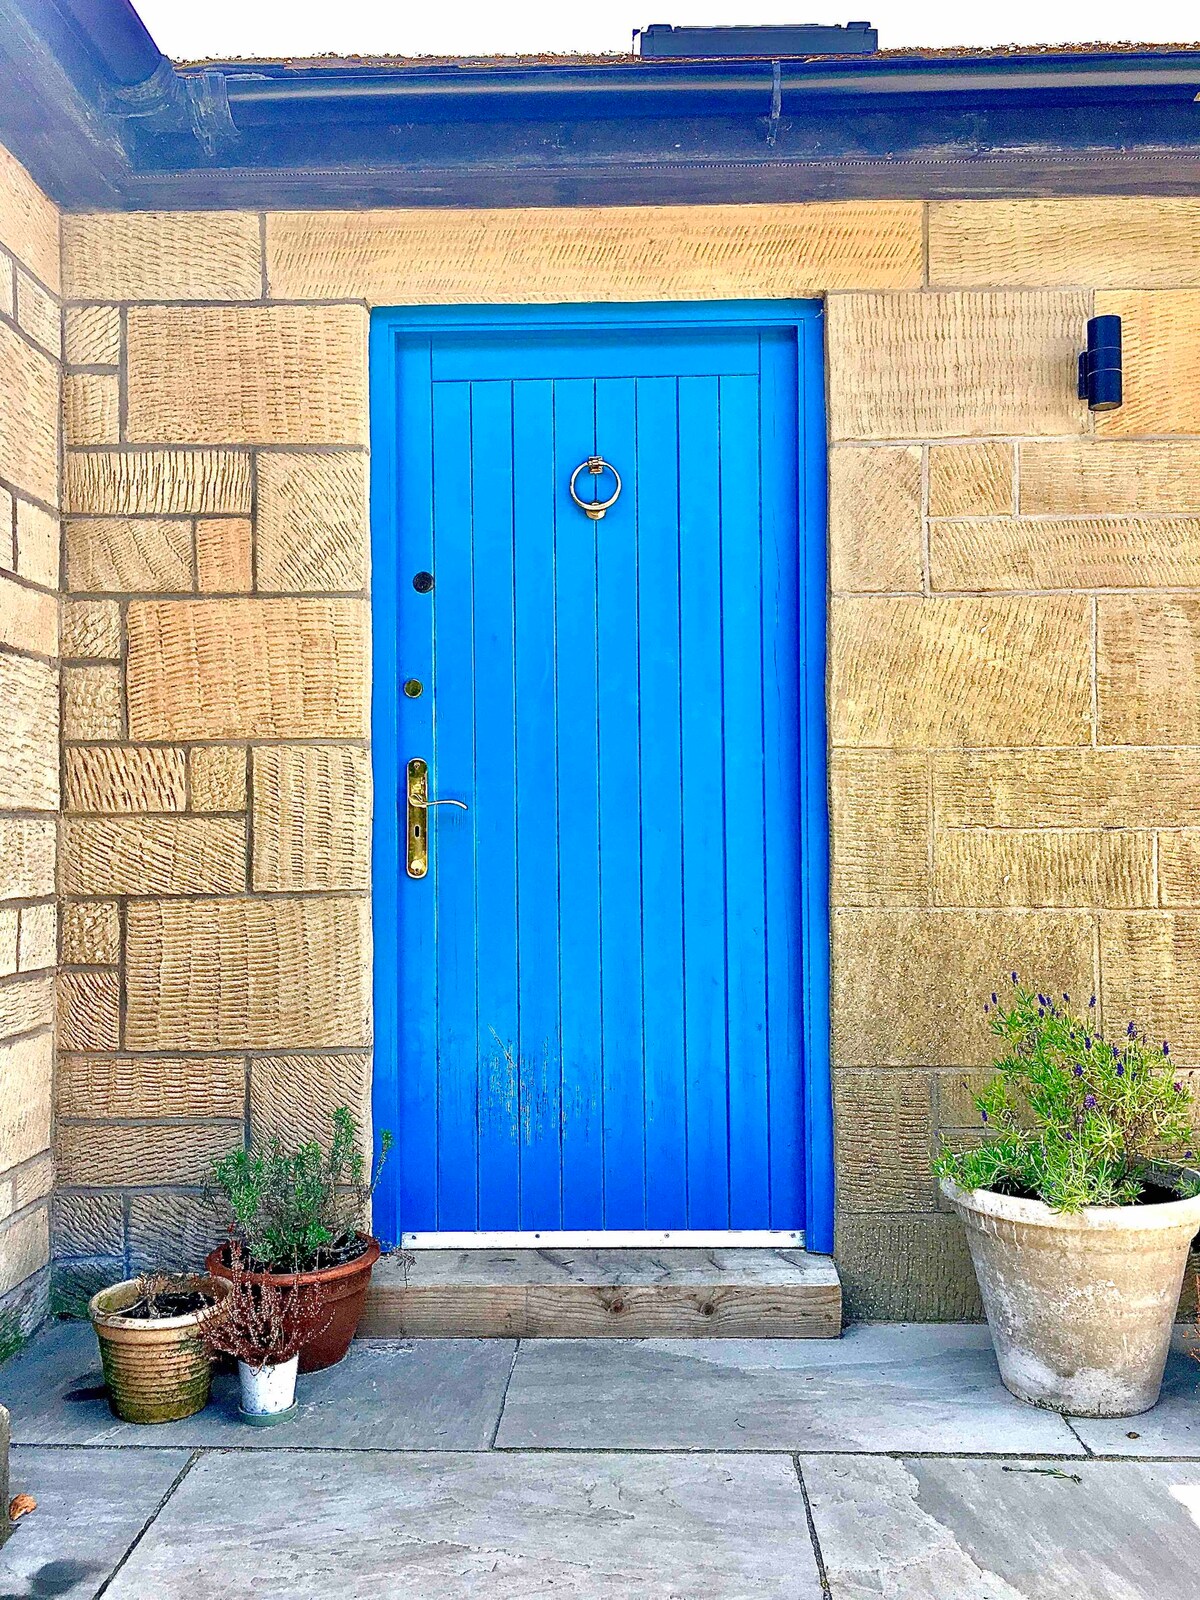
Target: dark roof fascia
{"x":274,"y":134}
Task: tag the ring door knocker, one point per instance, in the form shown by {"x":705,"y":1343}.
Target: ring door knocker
{"x":596,"y":465}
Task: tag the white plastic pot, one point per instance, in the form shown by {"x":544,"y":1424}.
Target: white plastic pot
{"x":268,"y":1392}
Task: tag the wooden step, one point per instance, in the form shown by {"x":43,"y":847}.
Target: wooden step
{"x":738,"y":1292}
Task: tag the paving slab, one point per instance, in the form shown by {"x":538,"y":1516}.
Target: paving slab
{"x":91,"y":1506}
{"x":880,"y":1388}
{"x":446,"y":1527}
{"x":1171,"y":1429}
{"x":442,"y":1394}
{"x":1018,"y":1530}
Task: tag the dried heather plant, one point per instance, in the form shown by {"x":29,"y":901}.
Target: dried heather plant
{"x":263,"y":1324}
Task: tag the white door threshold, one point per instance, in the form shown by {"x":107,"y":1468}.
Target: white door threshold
{"x":615,"y":1239}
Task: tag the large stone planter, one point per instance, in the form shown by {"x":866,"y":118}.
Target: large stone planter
{"x":1081,"y":1306}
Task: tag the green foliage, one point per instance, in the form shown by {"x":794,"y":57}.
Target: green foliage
{"x":1071,"y":1118}
{"x":297,"y":1210}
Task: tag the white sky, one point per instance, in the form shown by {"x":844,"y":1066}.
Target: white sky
{"x":486,"y":27}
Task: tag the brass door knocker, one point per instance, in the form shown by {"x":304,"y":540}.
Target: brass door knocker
{"x":595,"y":509}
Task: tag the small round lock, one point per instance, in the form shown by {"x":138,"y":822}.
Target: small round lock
{"x":595,"y":509}
{"x":423,"y":582}
{"x":414,"y":688}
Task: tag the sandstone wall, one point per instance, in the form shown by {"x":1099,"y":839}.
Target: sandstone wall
{"x":1013,"y":702}
{"x":30,"y":381}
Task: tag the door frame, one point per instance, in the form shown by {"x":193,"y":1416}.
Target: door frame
{"x":388,"y":876}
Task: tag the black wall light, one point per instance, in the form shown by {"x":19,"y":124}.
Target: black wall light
{"x":1100,"y":365}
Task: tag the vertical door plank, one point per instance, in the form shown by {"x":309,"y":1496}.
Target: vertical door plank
{"x":745,"y":841}
{"x":703,"y":804}
{"x":450,"y":695}
{"x":496,"y":811}
{"x":620,"y":829}
{"x":540,"y":1056}
{"x":661,"y":801}
{"x":579,"y":820}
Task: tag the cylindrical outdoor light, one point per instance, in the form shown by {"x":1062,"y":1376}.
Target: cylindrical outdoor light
{"x":1100,"y":364}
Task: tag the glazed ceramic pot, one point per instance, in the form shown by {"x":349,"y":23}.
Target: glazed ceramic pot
{"x":156,"y":1368}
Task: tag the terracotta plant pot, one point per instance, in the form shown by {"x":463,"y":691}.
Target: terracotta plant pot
{"x":156,"y":1370}
{"x":1080,"y":1305}
{"x":345,"y":1290}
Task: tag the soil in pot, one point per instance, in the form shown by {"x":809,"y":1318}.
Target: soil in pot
{"x":344,"y":1288}
{"x":155,"y":1368}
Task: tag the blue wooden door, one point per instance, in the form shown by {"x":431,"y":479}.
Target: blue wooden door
{"x":591,"y":1005}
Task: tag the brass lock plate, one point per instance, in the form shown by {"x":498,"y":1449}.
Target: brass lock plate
{"x":417,"y":807}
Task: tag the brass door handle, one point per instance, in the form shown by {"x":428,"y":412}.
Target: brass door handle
{"x":419,"y":801}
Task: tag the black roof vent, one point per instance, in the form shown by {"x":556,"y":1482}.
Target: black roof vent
{"x":799,"y":39}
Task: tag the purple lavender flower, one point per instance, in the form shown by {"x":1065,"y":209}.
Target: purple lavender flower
{"x":1166,"y":1048}
{"x":1067,"y":999}
{"x":1013,"y":976}
{"x":1130,"y":1030}
{"x":1092,"y":1003}
{"x":1178,"y":1088}
{"x":995,"y":1002}
{"x":1120,"y":1071}
{"x":983,"y":1116}
{"x":1078,"y":1071}
{"x":1089,"y":1100}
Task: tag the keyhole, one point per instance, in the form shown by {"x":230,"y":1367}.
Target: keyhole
{"x":423,"y":582}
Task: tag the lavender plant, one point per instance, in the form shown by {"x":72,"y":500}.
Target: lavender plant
{"x":1071,"y":1118}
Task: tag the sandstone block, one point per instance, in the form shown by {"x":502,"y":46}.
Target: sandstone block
{"x":1147,"y":682}
{"x":1110,"y":477}
{"x":1066,"y":553}
{"x":1016,"y":867}
{"x":91,"y":933}
{"x":28,"y":222}
{"x":247,"y":974}
{"x":879,"y":837}
{"x":91,"y":408}
{"x":1160,"y":344}
{"x":935,"y":366}
{"x":120,"y":1154}
{"x":884,"y":1140}
{"x":93,"y":336}
{"x":1150,"y":967}
{"x":88,"y":1225}
{"x":37,"y":947}
{"x":93,"y":703}
{"x":89,"y":1011}
{"x":312,"y":521}
{"x":282,"y":374}
{"x":118,"y":778}
{"x":1179,"y":867}
{"x":38,"y":314}
{"x":24,"y":1246}
{"x":912,"y":672}
{"x":1066,"y":788}
{"x":955,"y":1096}
{"x":37,"y":544}
{"x":152,"y":855}
{"x":29,"y":748}
{"x":171,"y":1231}
{"x":293,"y":1096}
{"x":188,"y":675}
{"x":161,"y":255}
{"x":875,"y":518}
{"x":312,"y":827}
{"x":27,"y":856}
{"x":27,"y":1183}
{"x":701,"y":252}
{"x":971,"y":480}
{"x":914,"y":1268}
{"x":217,"y":775}
{"x":28,"y":618}
{"x":91,"y":630}
{"x":122,"y":555}
{"x":28,"y":417}
{"x":27,"y":1104}
{"x":909,"y":986}
{"x":135,"y":1086}
{"x":148,"y":483}
{"x":224,"y":555}
{"x":26,"y":1004}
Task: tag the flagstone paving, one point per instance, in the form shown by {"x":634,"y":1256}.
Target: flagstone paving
{"x":889,"y":1465}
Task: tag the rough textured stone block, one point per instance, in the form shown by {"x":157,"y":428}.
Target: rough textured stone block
{"x":27,"y":856}
{"x":247,"y":974}
{"x":879,"y":804}
{"x":916,"y":672}
{"x":10,"y":918}
{"x":125,"y":1086}
{"x":1104,"y":242}
{"x":312,"y":521}
{"x":140,"y":483}
{"x":152,"y":855}
{"x":24,"y":1246}
{"x":37,"y":948}
{"x":1150,"y":967}
{"x":1066,"y":788}
{"x":162,"y":255}
{"x":188,"y":676}
{"x":28,"y":221}
{"x":39,"y":315}
{"x":971,"y":480}
{"x":28,"y":618}
{"x":1160,"y":339}
{"x":294,"y":1096}
{"x":915,"y":1268}
{"x":121,"y":555}
{"x":1110,"y":477}
{"x":1147,"y":677}
{"x":312,"y":817}
{"x":93,"y":336}
{"x":91,"y":933}
{"x":884,"y":1140}
{"x":8,"y":546}
{"x":875,"y":518}
{"x":37,"y":544}
{"x":91,"y":408}
{"x":955,"y":1095}
{"x":26,"y":1004}
{"x":224,"y":555}
{"x":935,"y":366}
{"x":28,"y":417}
{"x":91,"y":630}
{"x":1179,"y":867}
{"x":114,"y":779}
{"x":248,"y":374}
{"x":88,"y":1225}
{"x":93,"y":703}
{"x":977,"y":867}
{"x":909,"y":986}
{"x":1066,"y":553}
{"x":593,"y":253}
{"x":116,"y":1154}
{"x":172,"y":1232}
{"x":26,"y":1183}
{"x":29,"y":747}
{"x":27,"y":1104}
{"x":89,"y":1006}
{"x":217,"y":778}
